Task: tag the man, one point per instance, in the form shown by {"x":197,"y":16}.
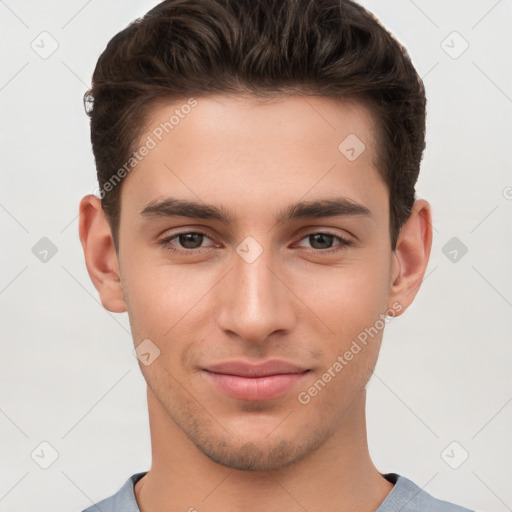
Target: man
{"x":257,"y":220}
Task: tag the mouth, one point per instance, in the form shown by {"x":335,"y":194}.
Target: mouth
{"x":256,"y":383}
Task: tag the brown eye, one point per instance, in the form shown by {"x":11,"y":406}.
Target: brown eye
{"x":187,"y":242}
{"x":190,"y":240}
{"x":321,"y":240}
{"x":325,"y":242}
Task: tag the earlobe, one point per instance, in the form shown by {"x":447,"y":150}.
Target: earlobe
{"x":100,"y":255}
{"x":411,"y":255}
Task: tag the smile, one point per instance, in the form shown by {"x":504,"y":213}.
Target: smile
{"x":255,"y":382}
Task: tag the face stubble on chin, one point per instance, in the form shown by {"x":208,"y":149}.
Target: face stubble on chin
{"x":309,"y":310}
{"x":268,"y":450}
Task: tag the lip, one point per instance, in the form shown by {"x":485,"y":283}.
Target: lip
{"x":255,"y":382}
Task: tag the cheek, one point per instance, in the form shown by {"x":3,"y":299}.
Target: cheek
{"x":347,"y":298}
{"x":162,"y":299}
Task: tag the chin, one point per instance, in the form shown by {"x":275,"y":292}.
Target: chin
{"x":262,"y":454}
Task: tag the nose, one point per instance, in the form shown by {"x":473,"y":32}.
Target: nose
{"x":255,"y":300}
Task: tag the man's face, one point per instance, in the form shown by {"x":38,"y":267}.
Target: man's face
{"x":260,"y":286}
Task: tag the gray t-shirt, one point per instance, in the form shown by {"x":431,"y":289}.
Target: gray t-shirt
{"x":405,"y":496}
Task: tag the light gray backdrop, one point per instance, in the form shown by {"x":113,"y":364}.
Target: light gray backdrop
{"x":439,"y":408}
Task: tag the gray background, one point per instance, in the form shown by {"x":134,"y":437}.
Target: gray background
{"x":69,"y":377}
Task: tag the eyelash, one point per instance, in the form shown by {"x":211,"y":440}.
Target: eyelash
{"x":166,"y":243}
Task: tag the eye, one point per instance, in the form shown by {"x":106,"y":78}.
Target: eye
{"x":322,"y":242}
{"x":189,"y":241}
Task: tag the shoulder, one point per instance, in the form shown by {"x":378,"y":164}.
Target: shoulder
{"x":122,"y":501}
{"x":406,"y":496}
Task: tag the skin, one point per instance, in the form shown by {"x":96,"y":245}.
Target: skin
{"x":294,"y":302}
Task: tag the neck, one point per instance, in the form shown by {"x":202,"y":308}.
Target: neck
{"x":339,"y":475}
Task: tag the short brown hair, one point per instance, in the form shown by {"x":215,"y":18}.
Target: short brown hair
{"x":330,"y":48}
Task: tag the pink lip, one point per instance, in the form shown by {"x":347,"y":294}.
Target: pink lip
{"x":254,"y":382}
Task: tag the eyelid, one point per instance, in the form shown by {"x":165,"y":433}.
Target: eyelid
{"x":174,"y":232}
{"x":316,"y":229}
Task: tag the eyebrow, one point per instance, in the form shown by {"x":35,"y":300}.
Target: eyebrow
{"x":174,"y":207}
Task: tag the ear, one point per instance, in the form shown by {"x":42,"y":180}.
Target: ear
{"x":411,"y":256}
{"x":100,"y":255}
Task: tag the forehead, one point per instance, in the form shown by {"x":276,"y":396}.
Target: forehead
{"x":255,"y":152}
